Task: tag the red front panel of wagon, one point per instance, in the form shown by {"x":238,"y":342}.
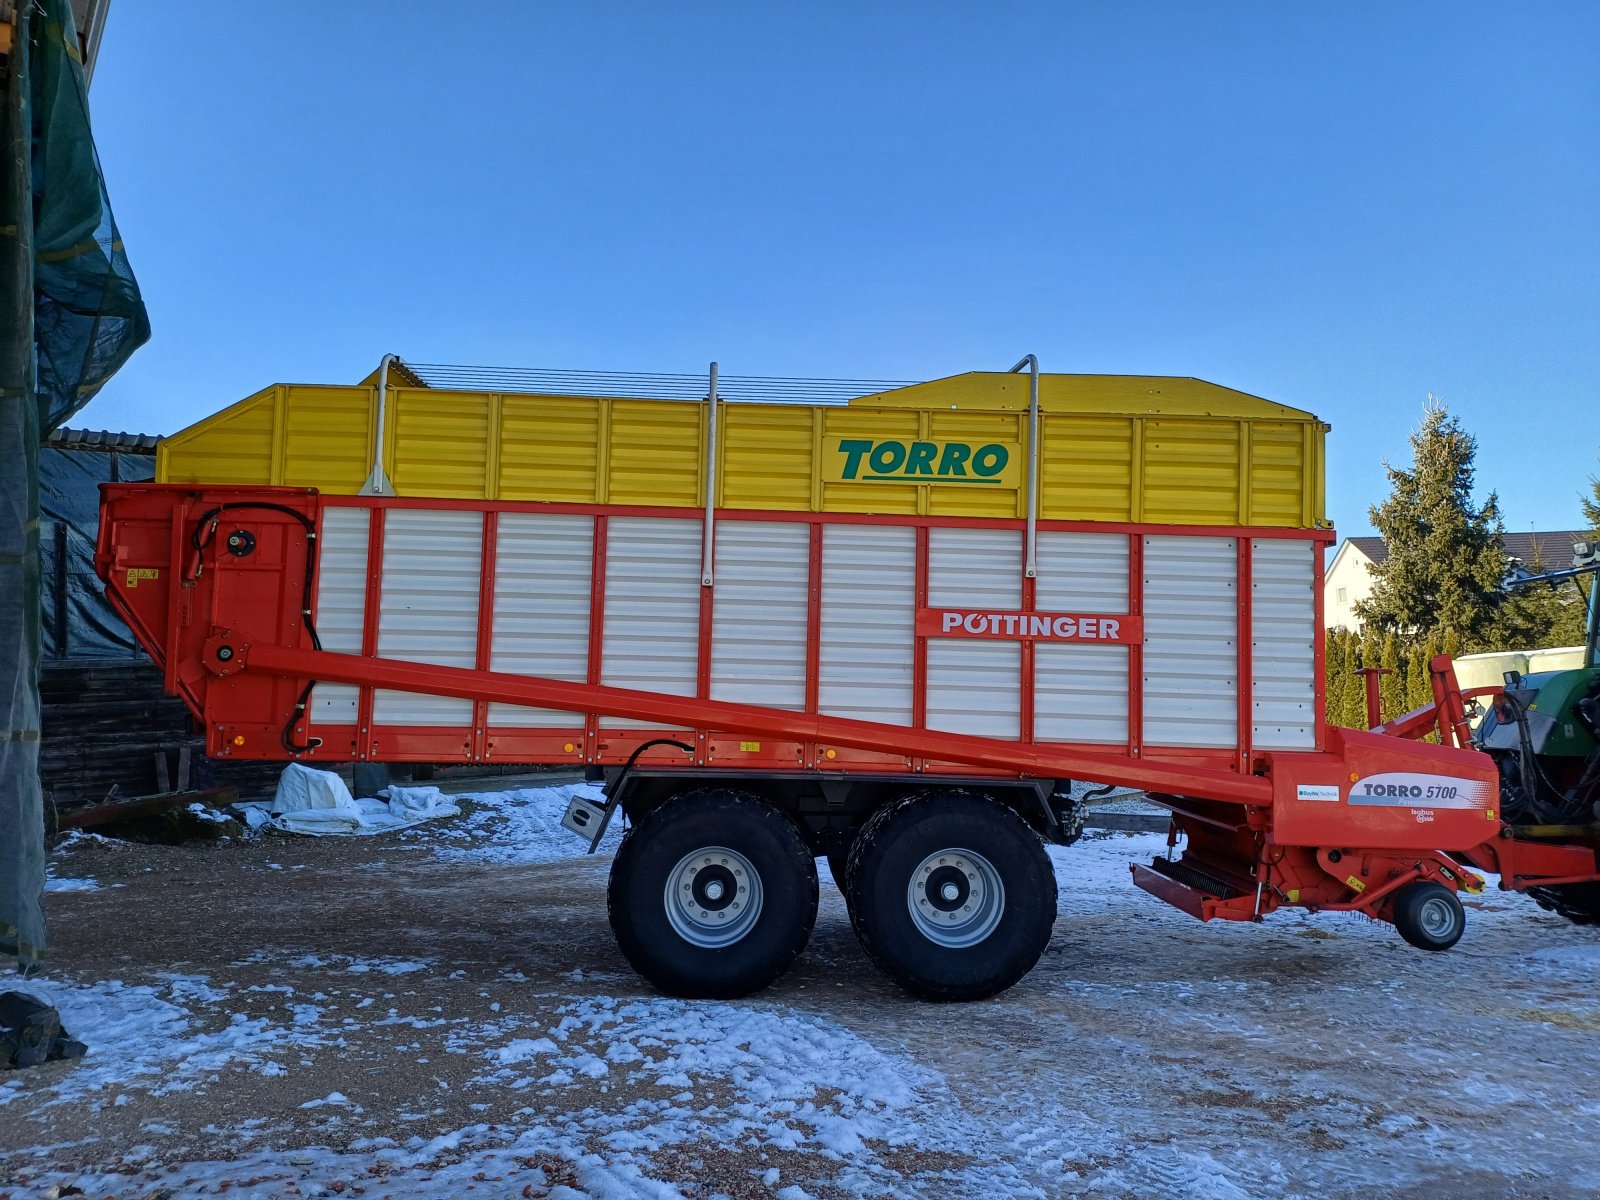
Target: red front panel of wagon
{"x":1174,"y":644}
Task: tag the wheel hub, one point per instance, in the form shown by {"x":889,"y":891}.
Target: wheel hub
{"x":955,"y":898}
{"x":948,"y":888}
{"x":1436,"y":918}
{"x":713,"y":897}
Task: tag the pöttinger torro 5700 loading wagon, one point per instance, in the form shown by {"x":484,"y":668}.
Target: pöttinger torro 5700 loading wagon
{"x":890,"y":631}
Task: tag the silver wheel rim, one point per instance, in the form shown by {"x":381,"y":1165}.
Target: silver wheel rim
{"x":956,"y":898}
{"x":713,"y":897}
{"x":1437,"y":918}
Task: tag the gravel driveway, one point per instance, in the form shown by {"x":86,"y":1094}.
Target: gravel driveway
{"x":442,"y":1013}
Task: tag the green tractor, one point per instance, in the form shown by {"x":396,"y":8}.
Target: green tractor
{"x":1544,"y":733}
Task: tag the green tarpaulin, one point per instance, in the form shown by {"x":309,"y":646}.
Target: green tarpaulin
{"x":70,"y":315}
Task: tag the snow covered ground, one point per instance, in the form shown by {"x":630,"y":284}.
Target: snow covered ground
{"x":442,"y":1013}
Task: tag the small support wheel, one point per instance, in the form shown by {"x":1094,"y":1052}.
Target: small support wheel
{"x":712,"y":895}
{"x":951,"y":894}
{"x":1429,"y":916}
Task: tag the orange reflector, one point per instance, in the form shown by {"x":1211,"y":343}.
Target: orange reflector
{"x":238,"y":739}
{"x":569,"y":747}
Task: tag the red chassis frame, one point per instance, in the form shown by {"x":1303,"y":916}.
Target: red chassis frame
{"x":1264,"y":828}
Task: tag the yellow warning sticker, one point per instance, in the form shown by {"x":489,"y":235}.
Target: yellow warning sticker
{"x":1355,"y":884}
{"x":1294,"y":895}
{"x":749,"y":747}
{"x":135,"y":574}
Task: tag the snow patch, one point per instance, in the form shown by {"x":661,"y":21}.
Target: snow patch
{"x":54,"y":884}
{"x":521,"y":826}
{"x":139,"y":1038}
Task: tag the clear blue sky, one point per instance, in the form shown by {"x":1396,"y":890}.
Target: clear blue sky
{"x":1339,"y":206}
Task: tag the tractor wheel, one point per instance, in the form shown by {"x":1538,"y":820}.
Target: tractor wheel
{"x":712,"y":895}
{"x":951,"y":895}
{"x":1429,"y":916}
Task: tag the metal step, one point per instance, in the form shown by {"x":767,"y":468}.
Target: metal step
{"x":1192,"y":876}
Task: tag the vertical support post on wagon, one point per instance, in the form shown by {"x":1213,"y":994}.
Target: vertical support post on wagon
{"x":1372,"y":675}
{"x":708,"y":539}
{"x":1030,"y":562}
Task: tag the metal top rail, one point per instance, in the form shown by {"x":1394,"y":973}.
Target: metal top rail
{"x":645,"y":385}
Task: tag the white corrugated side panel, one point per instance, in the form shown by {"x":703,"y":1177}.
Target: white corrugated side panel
{"x":542,"y":592}
{"x":432,"y":571}
{"x":758,"y":625}
{"x":974,"y":685}
{"x":1191,"y":622}
{"x":341,"y":604}
{"x":869,"y":596}
{"x":652,"y":625}
{"x":1080,"y":692}
{"x":1283,"y":631}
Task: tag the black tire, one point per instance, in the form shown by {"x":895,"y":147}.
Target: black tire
{"x":952,"y":842}
{"x":1577,"y":902}
{"x":1429,"y":916}
{"x":657,"y":849}
{"x":838,"y":866}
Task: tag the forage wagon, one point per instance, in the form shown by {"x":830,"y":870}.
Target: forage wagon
{"x":884,"y":624}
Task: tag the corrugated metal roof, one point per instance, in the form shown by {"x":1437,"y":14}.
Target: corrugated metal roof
{"x":1551,"y":549}
{"x":103,"y":439}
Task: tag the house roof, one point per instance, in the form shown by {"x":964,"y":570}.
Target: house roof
{"x":1372,"y":547}
{"x":1550,"y":548}
{"x":102,"y":439}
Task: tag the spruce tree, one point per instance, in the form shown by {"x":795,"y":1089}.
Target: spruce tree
{"x":1590,"y":505}
{"x":1446,"y":560}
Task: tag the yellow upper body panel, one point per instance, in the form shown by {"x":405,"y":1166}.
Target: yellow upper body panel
{"x":1126,"y":449}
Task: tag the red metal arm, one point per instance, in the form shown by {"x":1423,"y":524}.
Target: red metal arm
{"x":491,"y":686}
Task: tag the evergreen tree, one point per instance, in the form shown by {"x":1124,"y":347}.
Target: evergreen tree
{"x":1590,"y":505}
{"x":1371,"y":647}
{"x":1418,"y":684}
{"x":1392,"y":687}
{"x":1535,"y":615}
{"x":1333,"y":674}
{"x":1446,"y":559}
{"x":1351,"y":704}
